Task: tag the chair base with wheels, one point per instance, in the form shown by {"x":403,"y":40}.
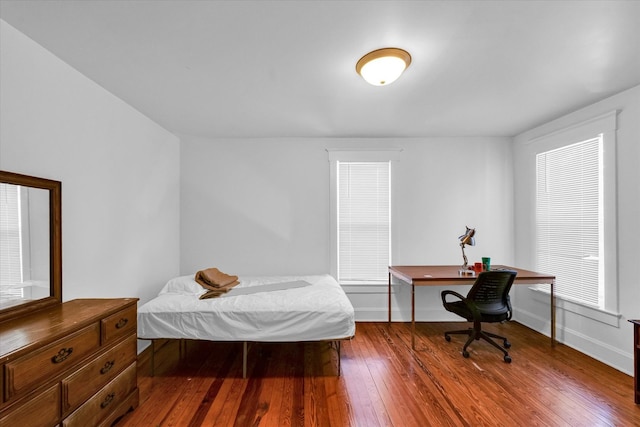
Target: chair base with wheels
{"x":487,"y":302}
{"x":477,"y":335}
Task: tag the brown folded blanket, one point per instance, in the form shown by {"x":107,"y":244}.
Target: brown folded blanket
{"x":215,"y":281}
{"x":219,"y":291}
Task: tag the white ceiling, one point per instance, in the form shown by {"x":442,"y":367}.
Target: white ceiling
{"x":287,"y":68}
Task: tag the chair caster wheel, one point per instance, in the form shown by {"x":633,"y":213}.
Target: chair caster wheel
{"x":507,"y":344}
{"x":507,"y":358}
{"x":448,"y":338}
{"x":465,"y":354}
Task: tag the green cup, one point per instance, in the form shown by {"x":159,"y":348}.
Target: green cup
{"x":486,"y":264}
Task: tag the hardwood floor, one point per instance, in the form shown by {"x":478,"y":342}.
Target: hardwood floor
{"x":384,"y":383}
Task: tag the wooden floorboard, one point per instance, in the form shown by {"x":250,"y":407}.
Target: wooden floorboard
{"x":384,"y":383}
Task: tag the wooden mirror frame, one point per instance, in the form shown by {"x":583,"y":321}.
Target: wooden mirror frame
{"x":55,"y":244}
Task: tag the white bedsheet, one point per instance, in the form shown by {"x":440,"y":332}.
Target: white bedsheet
{"x":309,"y":308}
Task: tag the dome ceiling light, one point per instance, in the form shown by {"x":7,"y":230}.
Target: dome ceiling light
{"x":383,"y":66}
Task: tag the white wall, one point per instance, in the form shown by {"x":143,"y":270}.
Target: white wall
{"x":119,"y":172}
{"x":261,"y":206}
{"x":610,"y":339}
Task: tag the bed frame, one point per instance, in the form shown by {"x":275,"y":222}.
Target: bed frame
{"x":182,"y":349}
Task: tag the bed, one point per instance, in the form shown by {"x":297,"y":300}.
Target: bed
{"x":258,"y":309}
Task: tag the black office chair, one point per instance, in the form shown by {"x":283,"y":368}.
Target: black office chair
{"x":487,"y":301}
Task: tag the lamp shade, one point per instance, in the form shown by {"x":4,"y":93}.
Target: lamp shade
{"x":383,"y":66}
{"x":467,"y":238}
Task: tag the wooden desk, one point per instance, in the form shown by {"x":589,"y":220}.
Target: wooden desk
{"x":636,"y":359}
{"x":445,"y":275}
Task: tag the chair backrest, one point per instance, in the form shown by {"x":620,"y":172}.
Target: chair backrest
{"x":491,"y":291}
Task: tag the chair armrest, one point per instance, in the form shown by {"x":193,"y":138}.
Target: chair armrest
{"x":444,"y":294}
{"x":470,"y":305}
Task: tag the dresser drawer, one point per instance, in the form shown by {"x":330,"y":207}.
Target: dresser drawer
{"x":129,"y":404}
{"x":24,"y":373}
{"x":119,"y":324}
{"x":83,"y":383}
{"x":42,"y":410}
{"x":103,"y":402}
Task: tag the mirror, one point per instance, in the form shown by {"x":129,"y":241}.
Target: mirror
{"x":30,"y":244}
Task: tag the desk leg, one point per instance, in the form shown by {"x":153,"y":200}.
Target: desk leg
{"x":553,"y":315}
{"x":389,"y":303}
{"x":413,"y":317}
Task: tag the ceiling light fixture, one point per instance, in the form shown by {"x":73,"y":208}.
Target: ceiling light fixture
{"x":383,"y":66}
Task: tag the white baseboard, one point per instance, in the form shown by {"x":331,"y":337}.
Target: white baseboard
{"x":377,"y":314}
{"x":599,"y":350}
{"x":371,"y":301}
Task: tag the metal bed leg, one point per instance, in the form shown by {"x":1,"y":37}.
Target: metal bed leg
{"x":153,"y":358}
{"x":339,"y":343}
{"x":183,"y":348}
{"x":244,"y":360}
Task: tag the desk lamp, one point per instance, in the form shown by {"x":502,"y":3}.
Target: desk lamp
{"x":467,"y":239}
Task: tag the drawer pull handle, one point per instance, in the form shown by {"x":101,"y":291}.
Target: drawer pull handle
{"x":122,"y":323}
{"x":107,"y":367}
{"x":107,"y":400}
{"x":62,"y":355}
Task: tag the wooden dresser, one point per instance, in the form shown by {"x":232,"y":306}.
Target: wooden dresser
{"x":70,"y":365}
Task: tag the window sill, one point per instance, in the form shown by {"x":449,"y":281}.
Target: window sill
{"x":365,"y":287}
{"x":584,"y":310}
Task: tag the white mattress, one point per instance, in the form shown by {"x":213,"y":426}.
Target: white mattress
{"x":268,"y":309}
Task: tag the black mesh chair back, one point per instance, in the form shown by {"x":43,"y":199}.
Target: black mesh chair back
{"x":490,"y":292}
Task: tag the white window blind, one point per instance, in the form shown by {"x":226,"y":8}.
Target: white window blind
{"x":569,"y":219}
{"x":10,"y":241}
{"x":364,"y":221}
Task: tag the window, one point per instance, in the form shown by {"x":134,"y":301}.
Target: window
{"x":364,"y":221}
{"x":569,"y":219}
{"x":575,"y":212}
{"x":10,"y":242}
{"x":361,"y":216}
